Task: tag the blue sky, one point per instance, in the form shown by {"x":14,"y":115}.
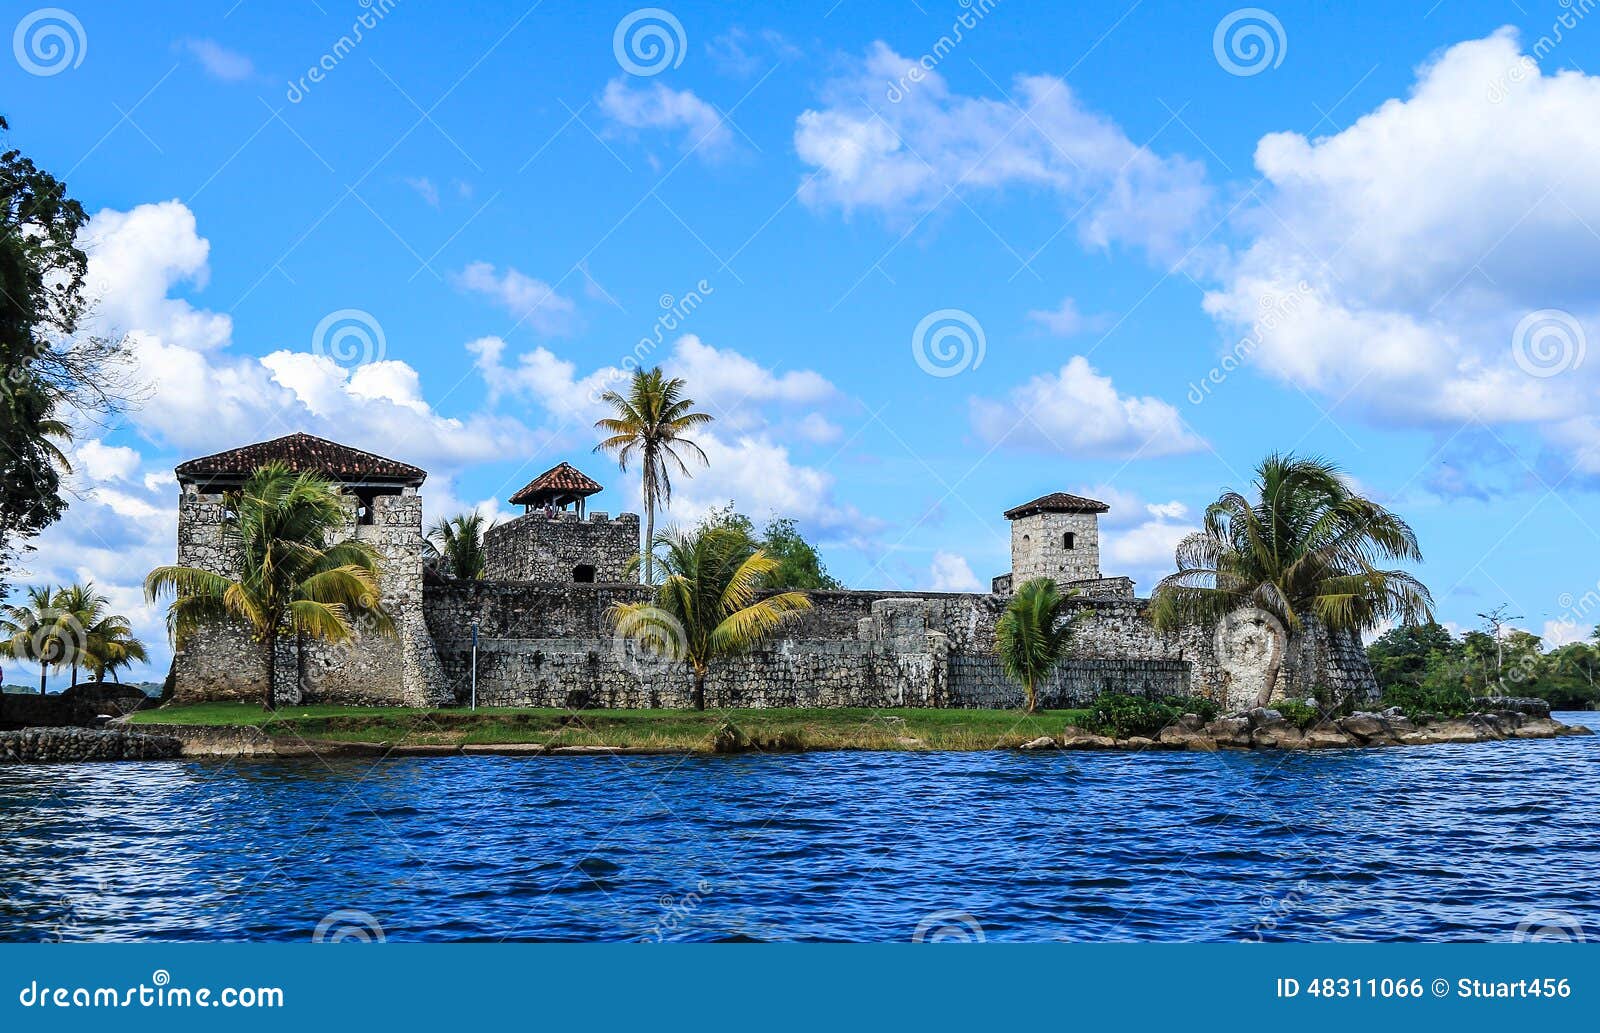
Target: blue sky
{"x":437,"y":245}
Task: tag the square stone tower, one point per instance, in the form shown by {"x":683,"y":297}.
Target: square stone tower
{"x":557,"y":539}
{"x":1056,"y":536}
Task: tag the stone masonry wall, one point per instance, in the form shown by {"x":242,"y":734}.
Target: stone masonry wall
{"x":224,"y":662}
{"x":553,"y":645}
{"x":534,"y":547}
{"x":1038,"y":547}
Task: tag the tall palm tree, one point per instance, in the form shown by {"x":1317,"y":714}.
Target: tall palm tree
{"x":87,"y":614}
{"x":297,"y":576}
{"x":650,"y":423}
{"x":36,"y":631}
{"x":460,"y":544}
{"x":1032,"y":635}
{"x":1305,"y":549}
{"x":706,"y":607}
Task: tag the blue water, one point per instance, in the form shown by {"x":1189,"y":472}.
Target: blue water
{"x":1430,"y":843}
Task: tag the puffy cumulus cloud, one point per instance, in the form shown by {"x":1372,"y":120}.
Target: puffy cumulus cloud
{"x":530,"y":300}
{"x":1144,"y":549}
{"x":657,"y":106}
{"x":138,"y":258}
{"x":750,"y":458}
{"x":879,"y":141}
{"x":102,"y":462}
{"x":952,"y":573}
{"x":1425,"y":234}
{"x":1079,"y":412}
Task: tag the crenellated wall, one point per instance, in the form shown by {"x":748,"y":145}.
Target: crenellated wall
{"x":535,"y":547}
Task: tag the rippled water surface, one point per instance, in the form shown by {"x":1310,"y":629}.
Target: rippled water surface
{"x":1443,"y":842}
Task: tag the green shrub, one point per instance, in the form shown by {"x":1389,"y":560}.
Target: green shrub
{"x":1201,"y":707}
{"x":1429,"y":700}
{"x":1121,"y":716}
{"x":1298,"y":713}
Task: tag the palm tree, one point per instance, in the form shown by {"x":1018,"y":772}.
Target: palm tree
{"x":296,"y":575}
{"x":1032,"y":635}
{"x":36,"y":631}
{"x":85,"y":612}
{"x":460,"y":544}
{"x":706,"y":607}
{"x":650,"y":422}
{"x":109,"y":651}
{"x":1305,"y":549}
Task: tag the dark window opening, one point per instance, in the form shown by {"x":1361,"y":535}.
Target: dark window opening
{"x":583,"y":573}
{"x":1069,"y":540}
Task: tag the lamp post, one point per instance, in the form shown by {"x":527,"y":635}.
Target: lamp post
{"x":474,"y":663}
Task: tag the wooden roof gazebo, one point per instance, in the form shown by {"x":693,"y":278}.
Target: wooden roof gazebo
{"x":560,"y":486}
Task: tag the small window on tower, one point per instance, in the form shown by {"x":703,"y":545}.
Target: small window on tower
{"x":583,"y":573}
{"x":1069,"y":540}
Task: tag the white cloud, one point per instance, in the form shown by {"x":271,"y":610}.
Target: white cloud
{"x":530,"y":300}
{"x":952,"y":573}
{"x":1425,"y":232}
{"x":220,"y":62}
{"x":659,"y":107}
{"x":1562,"y":633}
{"x":102,"y":462}
{"x":1145,"y":550}
{"x":743,"y":54}
{"x":425,"y":188}
{"x":876,"y":145}
{"x":736,"y":389}
{"x":1066,"y":321}
{"x":1079,"y":412}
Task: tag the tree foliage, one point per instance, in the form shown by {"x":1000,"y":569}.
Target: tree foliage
{"x":650,"y":424}
{"x":709,"y":604}
{"x":799,"y":564}
{"x":1437,"y":665}
{"x":459,"y":541}
{"x":1032,"y":635}
{"x":296,"y":575}
{"x":1304,"y":548}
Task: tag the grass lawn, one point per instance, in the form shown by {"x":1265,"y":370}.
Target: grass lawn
{"x":811,"y":729}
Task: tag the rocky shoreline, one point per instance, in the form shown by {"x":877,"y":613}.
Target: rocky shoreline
{"x":74,"y":745}
{"x":1265,"y":729}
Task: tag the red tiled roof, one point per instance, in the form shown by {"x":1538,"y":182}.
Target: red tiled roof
{"x":561,"y":479}
{"x":302,"y":453}
{"x":1057,"y":502}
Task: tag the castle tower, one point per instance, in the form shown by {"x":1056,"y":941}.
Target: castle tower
{"x":1056,"y":536}
{"x":384,"y":510}
{"x":555,"y":540}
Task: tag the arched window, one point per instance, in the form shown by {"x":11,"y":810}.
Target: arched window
{"x":1069,"y":540}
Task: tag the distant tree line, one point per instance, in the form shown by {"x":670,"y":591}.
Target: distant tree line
{"x":1430,"y":658}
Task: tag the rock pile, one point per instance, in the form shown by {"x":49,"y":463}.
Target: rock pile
{"x":42,"y":745}
{"x":1262,"y":728}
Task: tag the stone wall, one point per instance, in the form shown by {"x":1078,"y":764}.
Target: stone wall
{"x":225,"y":663}
{"x":553,"y":645}
{"x":535,"y":547}
{"x":1038,"y":547}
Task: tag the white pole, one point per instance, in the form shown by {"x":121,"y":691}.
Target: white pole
{"x":474,"y":664}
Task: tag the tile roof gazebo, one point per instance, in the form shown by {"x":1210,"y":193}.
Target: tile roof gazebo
{"x":559,"y":486}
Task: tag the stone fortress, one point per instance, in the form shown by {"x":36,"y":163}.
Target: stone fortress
{"x":544,"y":637}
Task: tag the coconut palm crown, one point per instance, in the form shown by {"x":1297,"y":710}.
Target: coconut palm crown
{"x":296,"y":575}
{"x":1305,"y":548}
{"x":460,"y":544}
{"x":649,"y":423}
{"x":37,"y":631}
{"x":1032,"y":635}
{"x":708,"y":605}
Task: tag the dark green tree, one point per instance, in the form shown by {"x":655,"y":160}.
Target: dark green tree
{"x":799,"y":564}
{"x":1403,"y":654}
